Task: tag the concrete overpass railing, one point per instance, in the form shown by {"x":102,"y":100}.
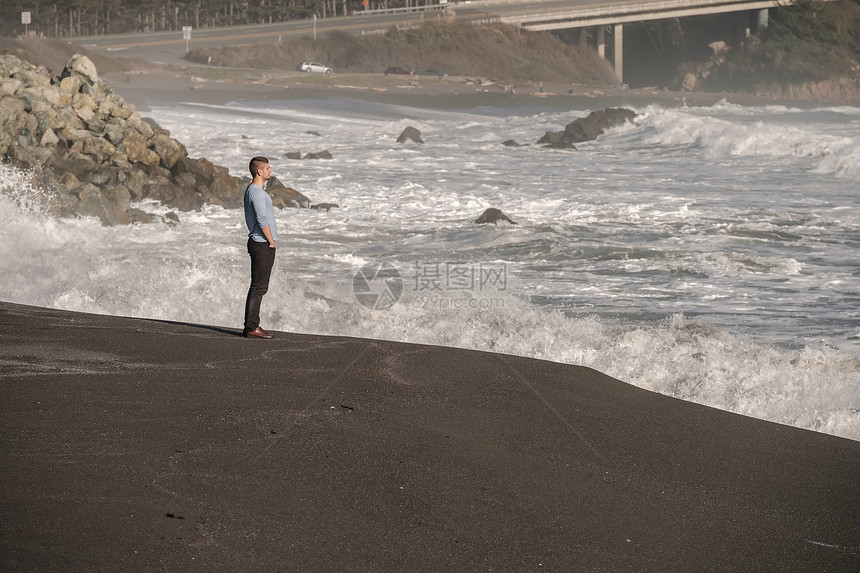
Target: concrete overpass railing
{"x":634,"y":12}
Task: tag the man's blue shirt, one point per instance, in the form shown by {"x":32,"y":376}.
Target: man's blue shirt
{"x":259,"y":213}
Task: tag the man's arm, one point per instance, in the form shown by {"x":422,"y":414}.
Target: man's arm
{"x":267,"y":232}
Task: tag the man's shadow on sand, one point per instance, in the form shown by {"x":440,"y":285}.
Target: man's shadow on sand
{"x":218,"y":329}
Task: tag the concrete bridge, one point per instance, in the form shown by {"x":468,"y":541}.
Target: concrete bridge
{"x":609,"y":17}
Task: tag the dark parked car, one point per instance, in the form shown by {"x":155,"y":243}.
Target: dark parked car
{"x":431,"y":72}
{"x":398,"y":71}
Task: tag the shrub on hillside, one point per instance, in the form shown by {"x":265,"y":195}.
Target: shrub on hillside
{"x":805,"y":42}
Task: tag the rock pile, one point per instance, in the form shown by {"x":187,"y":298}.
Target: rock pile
{"x":588,"y":128}
{"x":91,"y":148}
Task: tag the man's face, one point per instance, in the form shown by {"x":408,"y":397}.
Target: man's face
{"x":266,"y":172}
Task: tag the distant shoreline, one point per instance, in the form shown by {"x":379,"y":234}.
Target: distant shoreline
{"x":219,"y":86}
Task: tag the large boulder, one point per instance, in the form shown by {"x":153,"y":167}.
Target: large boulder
{"x":282,"y":196}
{"x":324,"y":154}
{"x":410,"y":134}
{"x":214,"y":183}
{"x":81,"y":67}
{"x":168,"y":149}
{"x":587,"y":128}
{"x":493,"y":215}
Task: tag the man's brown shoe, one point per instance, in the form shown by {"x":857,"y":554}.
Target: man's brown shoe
{"x":256,"y":333}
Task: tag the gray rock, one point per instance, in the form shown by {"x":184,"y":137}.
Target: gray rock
{"x":99,"y":148}
{"x":114,"y":131}
{"x":84,"y":104}
{"x":68,"y":181}
{"x":49,"y":138}
{"x":10,"y":86}
{"x":588,"y":128}
{"x":493,"y":215}
{"x":81,"y":67}
{"x":169,"y":150}
{"x":134,"y":148}
{"x":135,"y":180}
{"x":324,"y":154}
{"x":32,"y":96}
{"x":70,"y":86}
{"x":137,"y":216}
{"x":37,"y":76}
{"x":410,"y":134}
{"x":283,"y":196}
{"x":142,"y":127}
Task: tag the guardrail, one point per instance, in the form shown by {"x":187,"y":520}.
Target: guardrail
{"x":383,"y":11}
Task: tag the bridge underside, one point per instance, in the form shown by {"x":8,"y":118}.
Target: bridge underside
{"x":612,"y":19}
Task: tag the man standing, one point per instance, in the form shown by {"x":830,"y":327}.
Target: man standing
{"x":262,"y":232}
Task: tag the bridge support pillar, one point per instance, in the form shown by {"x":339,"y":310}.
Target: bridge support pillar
{"x":601,"y":42}
{"x":618,"y":51}
{"x":762,"y":20}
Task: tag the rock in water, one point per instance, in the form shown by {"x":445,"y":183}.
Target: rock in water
{"x":493,"y":215}
{"x":587,"y":128}
{"x":410,"y":134}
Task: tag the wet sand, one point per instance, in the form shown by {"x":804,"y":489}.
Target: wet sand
{"x":132,"y":444}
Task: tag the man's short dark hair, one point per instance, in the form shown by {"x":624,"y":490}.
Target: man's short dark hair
{"x":256,"y":164}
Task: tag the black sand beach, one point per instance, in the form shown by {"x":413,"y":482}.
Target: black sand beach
{"x":132,"y":444}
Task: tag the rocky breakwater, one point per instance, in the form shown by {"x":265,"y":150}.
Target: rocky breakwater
{"x":95,"y":154}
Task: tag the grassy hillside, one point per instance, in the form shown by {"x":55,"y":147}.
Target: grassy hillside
{"x":498,"y":51}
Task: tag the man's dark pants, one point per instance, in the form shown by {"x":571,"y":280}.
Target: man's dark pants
{"x":262,"y":260}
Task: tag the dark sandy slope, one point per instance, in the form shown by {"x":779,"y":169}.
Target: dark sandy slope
{"x":131,"y":444}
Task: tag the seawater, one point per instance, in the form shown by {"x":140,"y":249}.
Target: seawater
{"x":707,"y":253}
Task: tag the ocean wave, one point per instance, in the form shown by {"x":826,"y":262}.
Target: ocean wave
{"x":817,"y":388}
{"x":720,"y":135}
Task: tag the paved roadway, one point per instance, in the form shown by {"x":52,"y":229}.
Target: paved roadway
{"x":169,"y":47}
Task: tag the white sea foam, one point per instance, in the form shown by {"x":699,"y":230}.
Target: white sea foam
{"x":706,"y":253}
